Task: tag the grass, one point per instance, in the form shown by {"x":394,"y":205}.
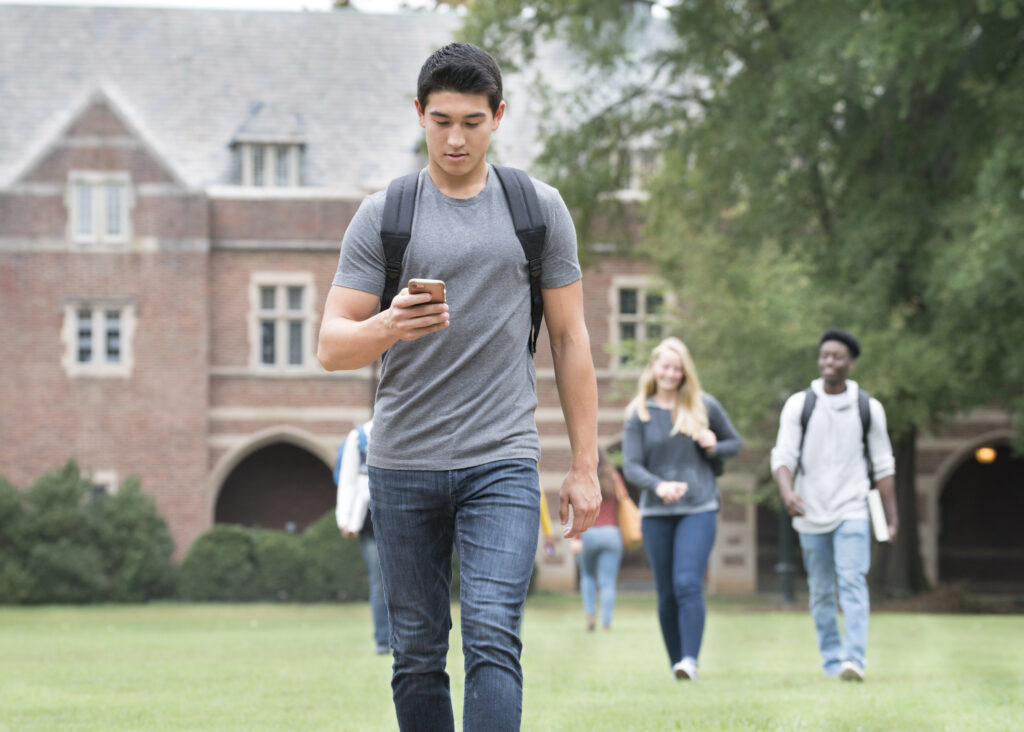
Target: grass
{"x":294,"y":667}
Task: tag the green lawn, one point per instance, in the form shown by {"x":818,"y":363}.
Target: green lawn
{"x":294,"y":667}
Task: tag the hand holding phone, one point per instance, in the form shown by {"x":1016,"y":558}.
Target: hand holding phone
{"x":435,"y":288}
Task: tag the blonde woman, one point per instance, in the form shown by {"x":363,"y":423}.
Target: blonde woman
{"x":674,"y":436}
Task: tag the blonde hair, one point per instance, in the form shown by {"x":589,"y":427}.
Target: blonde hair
{"x":689,"y":415}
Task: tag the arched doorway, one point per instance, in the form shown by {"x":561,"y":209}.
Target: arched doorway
{"x":278,"y":486}
{"x":981,"y":509}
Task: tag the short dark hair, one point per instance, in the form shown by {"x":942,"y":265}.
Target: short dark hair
{"x":844,"y":337}
{"x":461,"y":68}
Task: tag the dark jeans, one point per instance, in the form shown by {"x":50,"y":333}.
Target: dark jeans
{"x":379,"y":611}
{"x":677,"y":549}
{"x":491,"y":513}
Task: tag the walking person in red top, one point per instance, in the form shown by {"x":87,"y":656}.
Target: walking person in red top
{"x":599,"y":549}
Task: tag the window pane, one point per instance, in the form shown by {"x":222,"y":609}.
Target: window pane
{"x":654,"y":331}
{"x":84,"y":335}
{"x":628,"y":302}
{"x":627,"y":331}
{"x":257,"y":165}
{"x":295,"y":342}
{"x":267,"y":351}
{"x":295,"y":298}
{"x":655,"y":302}
{"x":283,"y":160}
{"x":113,"y":336}
{"x":83,"y":205}
{"x":268,"y":298}
{"x":113,"y":210}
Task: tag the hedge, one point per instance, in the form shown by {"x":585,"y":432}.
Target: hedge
{"x":61,"y":543}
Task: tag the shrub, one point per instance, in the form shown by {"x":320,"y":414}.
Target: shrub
{"x":220,"y":565}
{"x":14,"y":580}
{"x":135,"y":543}
{"x":61,"y":543}
{"x":335,"y":569}
{"x":280,"y":565}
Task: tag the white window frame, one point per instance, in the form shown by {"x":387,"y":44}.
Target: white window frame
{"x":270,"y":155}
{"x":98,"y":182}
{"x":98,"y":365}
{"x":644,"y":285}
{"x":105,"y":480}
{"x":282,"y":316}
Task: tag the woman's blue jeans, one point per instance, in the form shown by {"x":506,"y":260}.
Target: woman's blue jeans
{"x":491,"y":513}
{"x":838,"y":562}
{"x":677,"y":549}
{"x":599,"y":570}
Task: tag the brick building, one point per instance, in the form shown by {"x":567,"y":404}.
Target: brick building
{"x":174,"y":185}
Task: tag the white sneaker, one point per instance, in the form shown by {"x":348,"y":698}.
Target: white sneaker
{"x":685,"y":670}
{"x":850,"y":671}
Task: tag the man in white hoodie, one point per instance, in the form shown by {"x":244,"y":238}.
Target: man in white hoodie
{"x":824,"y":485}
{"x":352,"y":512}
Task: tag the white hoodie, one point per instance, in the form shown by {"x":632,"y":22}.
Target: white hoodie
{"x":833,"y":479}
{"x":353,"y":484}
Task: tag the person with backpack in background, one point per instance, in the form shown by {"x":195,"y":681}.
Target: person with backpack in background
{"x":832,"y":446}
{"x":455,"y":446}
{"x":352,"y":512}
{"x":674,"y":443}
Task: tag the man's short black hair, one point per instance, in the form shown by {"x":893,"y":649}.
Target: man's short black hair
{"x":461,"y":68}
{"x":838,"y":334}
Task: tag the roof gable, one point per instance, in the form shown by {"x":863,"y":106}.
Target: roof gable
{"x":94,"y":133}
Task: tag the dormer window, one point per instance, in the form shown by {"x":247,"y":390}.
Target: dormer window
{"x":269,"y":147}
{"x":270,"y":165}
{"x":99,"y":204}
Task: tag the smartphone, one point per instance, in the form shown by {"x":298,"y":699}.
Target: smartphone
{"x":434,"y":287}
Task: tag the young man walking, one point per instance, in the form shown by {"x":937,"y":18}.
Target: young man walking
{"x":454,"y":452}
{"x":824,"y":467}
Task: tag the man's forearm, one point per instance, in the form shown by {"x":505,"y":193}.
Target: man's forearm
{"x":346,"y":344}
{"x":577,"y":392}
{"x":784,"y":479}
{"x":887,"y":488}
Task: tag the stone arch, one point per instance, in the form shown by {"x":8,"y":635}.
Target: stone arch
{"x":978,"y":511}
{"x":281,"y":477}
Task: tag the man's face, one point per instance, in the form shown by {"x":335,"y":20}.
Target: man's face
{"x":834,"y":362}
{"x":459,"y":128}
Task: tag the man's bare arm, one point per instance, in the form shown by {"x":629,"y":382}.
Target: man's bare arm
{"x":577,"y":392}
{"x":351,"y":336}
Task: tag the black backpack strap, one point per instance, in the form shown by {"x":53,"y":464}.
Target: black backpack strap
{"x":810,"y":398}
{"x":864,"y":404}
{"x":395,"y":230}
{"x":532,"y":231}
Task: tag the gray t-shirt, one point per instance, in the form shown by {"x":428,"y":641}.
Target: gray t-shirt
{"x":650,"y":455}
{"x":465,"y":395}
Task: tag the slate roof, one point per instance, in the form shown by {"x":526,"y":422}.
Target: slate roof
{"x":191,"y":81}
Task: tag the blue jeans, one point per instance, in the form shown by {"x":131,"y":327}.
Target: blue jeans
{"x":599,"y":568}
{"x":677,"y":549}
{"x":839,"y":561}
{"x":381,"y":631}
{"x":491,"y":513}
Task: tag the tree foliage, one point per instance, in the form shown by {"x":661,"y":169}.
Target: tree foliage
{"x":823,"y":162}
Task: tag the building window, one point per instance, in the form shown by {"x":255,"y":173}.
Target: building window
{"x":102,"y":483}
{"x":98,"y":336}
{"x":283,"y":321}
{"x":265,"y":165}
{"x":639,"y":314}
{"x":99,"y":205}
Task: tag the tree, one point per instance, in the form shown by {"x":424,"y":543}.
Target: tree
{"x":823,"y":162}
